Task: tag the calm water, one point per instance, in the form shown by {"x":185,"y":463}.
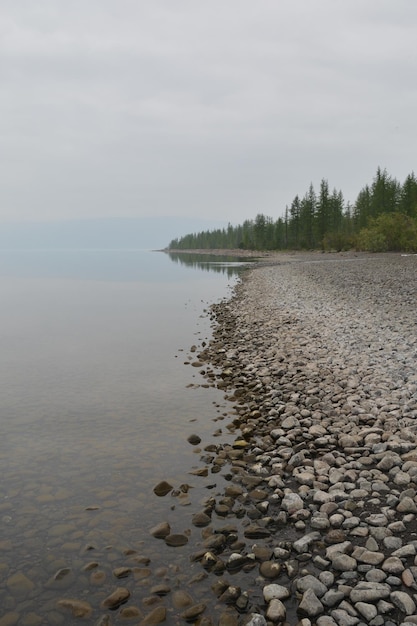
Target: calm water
{"x":95,"y":410}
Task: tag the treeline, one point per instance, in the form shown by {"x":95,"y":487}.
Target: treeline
{"x":383,"y":218}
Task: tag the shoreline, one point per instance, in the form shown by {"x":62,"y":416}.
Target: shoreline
{"x":276,"y":256}
{"x":318,"y":360}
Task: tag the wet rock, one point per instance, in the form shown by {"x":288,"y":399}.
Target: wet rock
{"x":215,"y":542}
{"x":230,"y":594}
{"x":161,"y":590}
{"x":122,"y":572}
{"x":194,"y":440}
{"x":19,"y":585}
{"x":236,"y":561}
{"x":270,"y":569}
{"x":303,"y":544}
{"x":201,"y":519}
{"x":201,"y":471}
{"x":116,"y":599}
{"x":181,"y":599}
{"x":156,"y":616}
{"x":160,"y":531}
{"x":98,"y":577}
{"x":276,"y":611}
{"x":78,"y":608}
{"x":162,"y":488}
{"x":104,"y":620}
{"x":175,"y":540}
{"x":194,"y":611}
{"x":130,"y":612}
{"x":62,"y":579}
{"x":256,"y":532}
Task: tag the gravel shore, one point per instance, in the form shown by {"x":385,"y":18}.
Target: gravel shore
{"x":317,"y":353}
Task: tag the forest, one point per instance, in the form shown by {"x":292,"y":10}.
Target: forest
{"x":382,"y":219}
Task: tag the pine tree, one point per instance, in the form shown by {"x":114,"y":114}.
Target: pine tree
{"x":307,"y":215}
{"x":408,"y":196}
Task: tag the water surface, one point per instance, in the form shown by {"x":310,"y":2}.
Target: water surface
{"x":95,"y":410}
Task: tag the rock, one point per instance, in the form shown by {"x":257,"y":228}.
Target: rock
{"x":332,"y":597}
{"x":122,"y":572}
{"x":367,"y":556}
{"x":116,"y":599}
{"x":201,"y":519}
{"x":274,"y":591}
{"x":270,"y":569}
{"x":62,"y":579}
{"x":10,"y":618}
{"x":256,"y":532}
{"x":230,"y":594}
{"x":256,"y":619}
{"x":393,"y":565}
{"x":201,"y":471}
{"x":303,"y":544}
{"x":343,"y":562}
{"x":162,"y":488}
{"x":97,"y":577}
{"x":310,"y":605}
{"x":156,"y":616}
{"x":104,"y":620}
{"x":78,"y":608}
{"x":161,"y":590}
{"x":228,"y":618}
{"x":194,"y":440}
{"x":368,"y":611}
{"x":276,"y":611}
{"x":377,"y":519}
{"x":406,"y":505}
{"x":343,"y":618}
{"x":236,"y":561}
{"x":130,"y":612}
{"x":181,"y":599}
{"x":292,"y":503}
{"x":215,"y":542}
{"x":326,"y":620}
{"x":19,"y":585}
{"x":160,"y":531}
{"x":327,"y":425}
{"x":403,"y":602}
{"x":176,"y":540}
{"x":193,"y":611}
{"x":313,"y":583}
{"x":369,"y":592}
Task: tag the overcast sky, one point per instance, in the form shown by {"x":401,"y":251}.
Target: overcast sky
{"x":218,"y":109}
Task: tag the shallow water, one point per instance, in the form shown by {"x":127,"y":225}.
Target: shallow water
{"x":95,"y":411}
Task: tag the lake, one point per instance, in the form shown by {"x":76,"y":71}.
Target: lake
{"x":96,"y":408}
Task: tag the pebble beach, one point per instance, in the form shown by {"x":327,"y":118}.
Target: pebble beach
{"x":317,"y":355}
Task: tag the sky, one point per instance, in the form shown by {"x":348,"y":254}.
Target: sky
{"x":217,"y":109}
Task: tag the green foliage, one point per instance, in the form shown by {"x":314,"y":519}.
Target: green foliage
{"x":382,"y":218}
{"x":389,"y":232}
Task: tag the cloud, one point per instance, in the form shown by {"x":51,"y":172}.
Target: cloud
{"x":200,"y":109}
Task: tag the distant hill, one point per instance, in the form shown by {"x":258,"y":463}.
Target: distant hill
{"x":106,"y":233}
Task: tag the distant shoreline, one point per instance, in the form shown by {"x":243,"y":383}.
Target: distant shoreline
{"x":277,"y":256}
